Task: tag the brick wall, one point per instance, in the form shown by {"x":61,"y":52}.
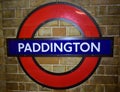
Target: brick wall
{"x":57,"y":28}
{"x":107,"y":76}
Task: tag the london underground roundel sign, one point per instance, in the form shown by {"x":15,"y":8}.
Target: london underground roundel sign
{"x":93,"y":40}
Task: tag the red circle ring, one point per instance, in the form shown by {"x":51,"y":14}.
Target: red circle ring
{"x":70,"y":12}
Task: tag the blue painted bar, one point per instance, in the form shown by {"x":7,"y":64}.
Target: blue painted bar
{"x":67,"y":46}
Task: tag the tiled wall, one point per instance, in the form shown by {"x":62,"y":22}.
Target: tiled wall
{"x":58,"y":28}
{"x":107,"y":76}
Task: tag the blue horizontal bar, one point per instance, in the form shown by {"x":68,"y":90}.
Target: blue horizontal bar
{"x":67,"y":46}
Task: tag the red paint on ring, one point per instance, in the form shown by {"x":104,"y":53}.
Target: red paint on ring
{"x":80,"y":18}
